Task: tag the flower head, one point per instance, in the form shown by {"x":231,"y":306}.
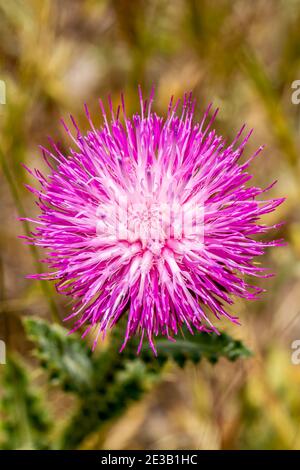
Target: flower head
{"x":151,"y":218}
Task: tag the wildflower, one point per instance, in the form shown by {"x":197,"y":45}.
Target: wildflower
{"x":151,"y":218}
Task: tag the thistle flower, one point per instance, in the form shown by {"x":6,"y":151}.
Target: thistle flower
{"x":151,"y":218}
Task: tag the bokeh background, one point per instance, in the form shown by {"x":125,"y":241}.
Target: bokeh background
{"x":242,"y":56}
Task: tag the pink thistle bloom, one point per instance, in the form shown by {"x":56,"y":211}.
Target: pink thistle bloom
{"x":151,"y":218}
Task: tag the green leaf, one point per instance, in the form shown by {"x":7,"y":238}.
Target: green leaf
{"x":98,"y":409}
{"x":121,"y":378}
{"x":201,"y":345}
{"x":25,"y":424}
{"x":107,"y":382}
{"x":66,"y":359}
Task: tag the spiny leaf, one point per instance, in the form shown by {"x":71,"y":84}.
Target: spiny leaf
{"x":66,"y":359}
{"x":111,"y":380}
{"x":98,"y":409}
{"x":26,"y":423}
{"x":202,"y":345}
{"x":121,"y":378}
{"x":193,"y":347}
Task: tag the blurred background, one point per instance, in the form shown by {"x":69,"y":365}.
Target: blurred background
{"x":242,"y":56}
